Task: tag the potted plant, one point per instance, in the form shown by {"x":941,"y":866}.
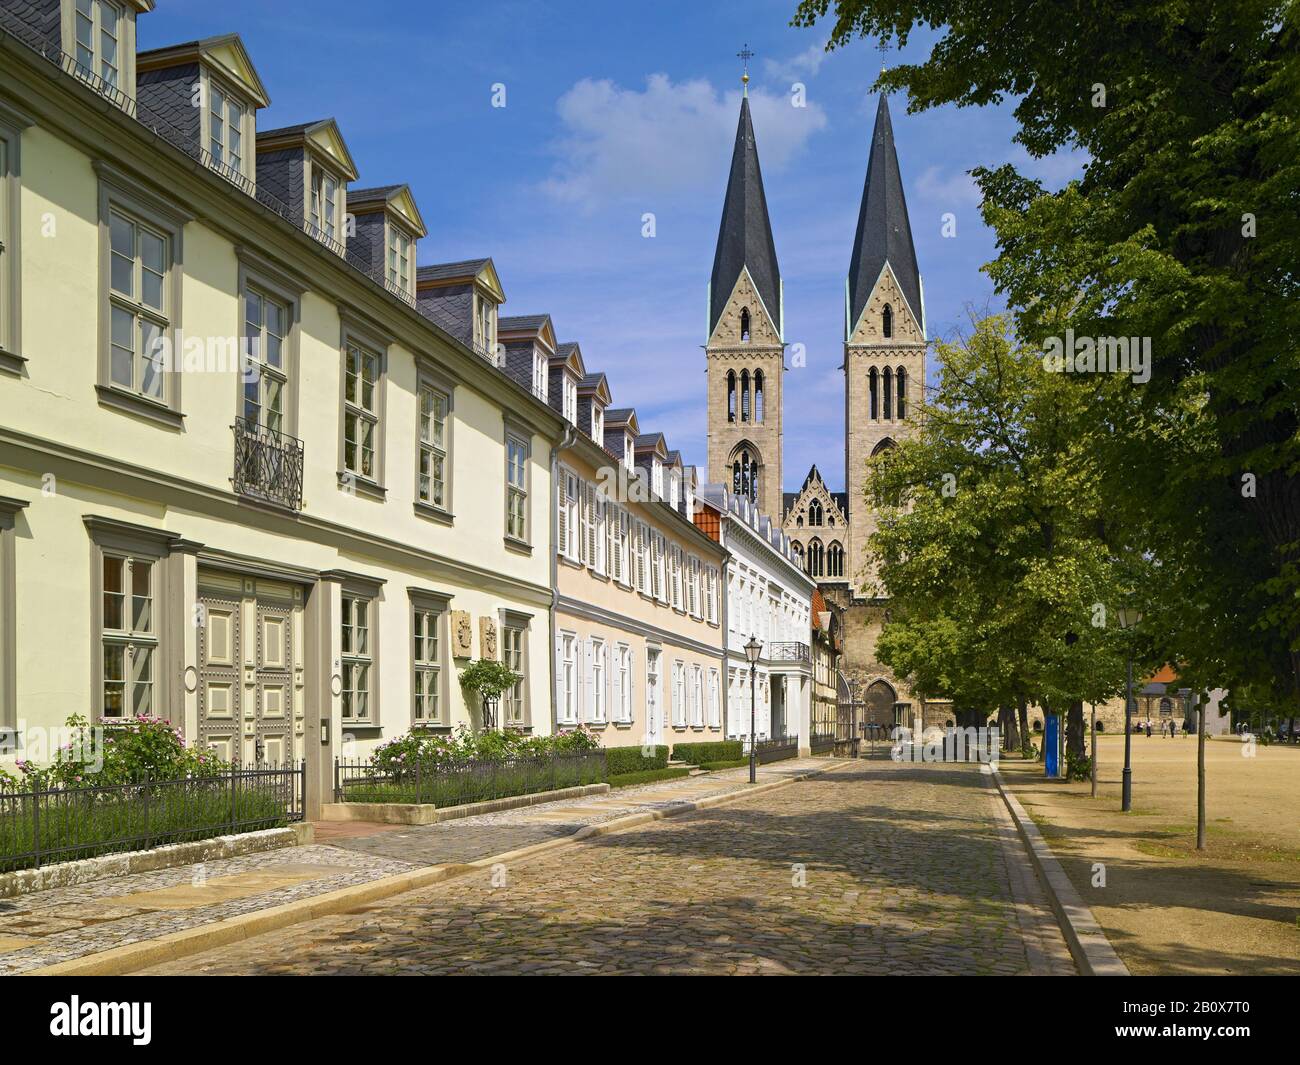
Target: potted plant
{"x":489,"y":680}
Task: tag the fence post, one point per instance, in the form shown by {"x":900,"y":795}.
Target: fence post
{"x":145,"y":804}
{"x":36,"y":820}
{"x":338,"y":785}
{"x":418,"y":792}
{"x":302,"y":775}
{"x":234,"y":768}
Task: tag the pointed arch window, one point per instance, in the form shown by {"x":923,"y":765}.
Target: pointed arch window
{"x":744,"y":395}
{"x":744,"y":324}
{"x":815,"y":512}
{"x":731,"y":395}
{"x":816,"y":559}
{"x":887,"y":321}
{"x":744,"y":475}
{"x":873,"y":389}
{"x":835,"y":560}
{"x":888,"y":389}
{"x":797,"y":548}
{"x":901,"y":378}
{"x":758,"y":395}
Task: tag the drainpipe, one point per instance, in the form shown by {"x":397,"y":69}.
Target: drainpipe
{"x":568,"y":440}
{"x":725,"y":682}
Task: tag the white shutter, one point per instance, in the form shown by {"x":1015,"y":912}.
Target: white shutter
{"x":610,"y":668}
{"x":586,"y":689}
{"x":559,"y":677}
{"x":631,"y":685}
{"x":561,"y":500}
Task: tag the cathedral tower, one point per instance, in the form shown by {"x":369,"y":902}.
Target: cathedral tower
{"x":884,"y":336}
{"x":745,"y":350}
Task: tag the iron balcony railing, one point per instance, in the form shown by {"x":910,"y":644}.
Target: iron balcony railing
{"x":268,"y":465}
{"x":13,"y":26}
{"x":789,"y":651}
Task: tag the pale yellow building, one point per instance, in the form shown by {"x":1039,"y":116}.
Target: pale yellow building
{"x":251,"y":480}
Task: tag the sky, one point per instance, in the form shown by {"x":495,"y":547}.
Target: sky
{"x":612,"y":112}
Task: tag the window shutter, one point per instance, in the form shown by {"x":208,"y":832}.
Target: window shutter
{"x":562,"y":501}
{"x":631,"y":685}
{"x":559,"y":677}
{"x":584,"y":519}
{"x":611,"y":666}
{"x":611,"y":539}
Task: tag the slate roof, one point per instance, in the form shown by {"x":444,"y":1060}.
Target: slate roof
{"x":884,"y":233}
{"x":745,"y":235}
{"x":444,"y":271}
{"x":522,"y":323}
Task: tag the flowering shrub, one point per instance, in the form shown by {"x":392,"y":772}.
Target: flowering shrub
{"x":433,"y":750}
{"x":137,"y":749}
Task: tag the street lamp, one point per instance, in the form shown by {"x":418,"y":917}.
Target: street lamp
{"x":1129,"y":618}
{"x":753,"y":650}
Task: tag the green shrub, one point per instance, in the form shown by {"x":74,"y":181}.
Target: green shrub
{"x":632,"y":760}
{"x":645,"y":776}
{"x":734,"y":763}
{"x":720,"y":751}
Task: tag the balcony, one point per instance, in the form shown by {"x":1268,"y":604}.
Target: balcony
{"x":789,"y":652}
{"x":268,"y":465}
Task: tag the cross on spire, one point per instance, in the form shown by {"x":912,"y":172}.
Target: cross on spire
{"x":745,"y":55}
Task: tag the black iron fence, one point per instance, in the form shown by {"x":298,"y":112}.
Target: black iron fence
{"x":43,"y":826}
{"x":268,"y":465}
{"x":454,"y":784}
{"x":777,"y":748}
{"x":821,"y":742}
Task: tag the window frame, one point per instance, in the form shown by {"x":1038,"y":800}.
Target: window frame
{"x":567,"y":708}
{"x":399,"y":256}
{"x":254,"y":281}
{"x":519,"y":624}
{"x":351,"y":657}
{"x":352,"y":336}
{"x":212,"y":86}
{"x":118,"y":196}
{"x":423,"y":603}
{"x":9,"y":510}
{"x":318,"y":171}
{"x":599,"y":680}
{"x":446,"y":390}
{"x":12,"y":124}
{"x":124,"y":40}
{"x":623,"y":683}
{"x":520,"y":437}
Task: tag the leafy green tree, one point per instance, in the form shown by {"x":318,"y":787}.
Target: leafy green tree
{"x":1184,"y":229}
{"x":1001,"y":561}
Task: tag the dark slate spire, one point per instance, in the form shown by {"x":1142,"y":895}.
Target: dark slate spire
{"x":884,"y":233}
{"x":745,"y":236}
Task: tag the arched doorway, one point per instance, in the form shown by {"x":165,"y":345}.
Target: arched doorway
{"x":880,"y":698}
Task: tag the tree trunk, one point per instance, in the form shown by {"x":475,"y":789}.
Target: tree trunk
{"x":1074,"y":734}
{"x":1024,"y":721}
{"x":1007,"y":724}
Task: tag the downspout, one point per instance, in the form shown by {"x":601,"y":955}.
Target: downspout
{"x":566,"y":441}
{"x":723,"y":594}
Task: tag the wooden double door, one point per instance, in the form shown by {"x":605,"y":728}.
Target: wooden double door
{"x":250,"y":656}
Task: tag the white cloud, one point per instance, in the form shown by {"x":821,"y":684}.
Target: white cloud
{"x":957,"y":189}
{"x":806,"y":64}
{"x":667,"y":140}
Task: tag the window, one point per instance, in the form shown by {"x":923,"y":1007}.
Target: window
{"x":629,"y":453}
{"x":657,"y":574}
{"x":758,"y":395}
{"x":362,"y":371}
{"x":887,"y":388}
{"x":540,"y":374}
{"x":815,"y":513}
{"x":434,"y":407}
{"x":711,"y":595}
{"x":570,"y":398}
{"x":901,"y":378}
{"x":398,"y":269}
{"x":674,"y":489}
{"x":617,"y":522}
{"x":816,"y":559}
{"x":358,"y":658}
{"x":485,"y":333}
{"x":587,"y":510}
{"x":266,"y":378}
{"x":744,"y":324}
{"x":324,"y":205}
{"x":597,"y":423}
{"x":657,"y":478}
{"x":731,"y":395}
{"x":744,"y":395}
{"x":139,"y":305}
{"x":679,"y":694}
{"x":697,"y":696}
{"x":873,"y":391}
{"x":225,"y":129}
{"x":130,"y":635}
{"x":426,"y":658}
{"x":887,"y":321}
{"x":10,"y":273}
{"x":516,"y":488}
{"x":715,"y":699}
{"x":599,"y":679}
{"x":644,"y":564}
{"x":568,"y":491}
{"x":98,"y":29}
{"x":835,"y":560}
{"x":675,"y":577}
{"x":514,"y":654}
{"x":600,"y":508}
{"x":693,"y":588}
{"x":566,"y":678}
{"x":623,"y":684}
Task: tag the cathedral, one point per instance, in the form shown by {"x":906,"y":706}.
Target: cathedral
{"x":884,"y":373}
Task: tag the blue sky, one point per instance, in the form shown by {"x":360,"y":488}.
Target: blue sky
{"x":614,"y":111}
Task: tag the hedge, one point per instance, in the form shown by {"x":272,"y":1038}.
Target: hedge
{"x":624,"y":780}
{"x":720,"y":751}
{"x":735,"y":763}
{"x":623,"y":760}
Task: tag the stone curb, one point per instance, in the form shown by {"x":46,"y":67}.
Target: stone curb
{"x":1092,"y":951}
{"x":86,"y":870}
{"x":135,"y":956}
{"x":398,"y":813}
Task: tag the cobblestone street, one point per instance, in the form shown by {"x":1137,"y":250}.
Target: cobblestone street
{"x":875,"y":868}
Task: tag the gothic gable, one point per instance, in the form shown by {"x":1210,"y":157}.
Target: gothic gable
{"x":762,"y":327}
{"x":869,"y":328}
{"x":800,"y":510}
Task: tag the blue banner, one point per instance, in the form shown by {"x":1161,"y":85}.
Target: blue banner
{"x":1051,"y":745}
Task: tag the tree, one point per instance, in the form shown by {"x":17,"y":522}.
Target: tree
{"x":1001,"y":561}
{"x":1184,"y":230}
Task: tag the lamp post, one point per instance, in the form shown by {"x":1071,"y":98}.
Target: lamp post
{"x":1129,"y":618}
{"x":752,"y":651}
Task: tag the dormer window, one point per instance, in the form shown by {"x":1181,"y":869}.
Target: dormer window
{"x":629,"y":453}
{"x":399,"y":267}
{"x":674,"y":488}
{"x":657,"y":477}
{"x":324,"y":205}
{"x":226,"y":130}
{"x":485,"y":334}
{"x":98,"y":31}
{"x":541,"y":372}
{"x":597,"y":423}
{"x":570,"y":400}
